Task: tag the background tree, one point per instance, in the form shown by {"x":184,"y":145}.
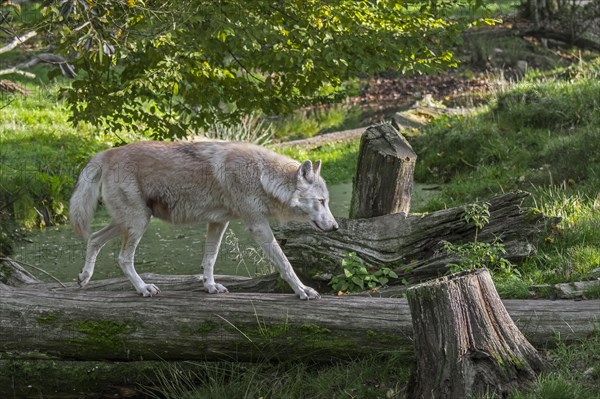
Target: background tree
{"x":169,"y":68}
{"x":569,"y":20}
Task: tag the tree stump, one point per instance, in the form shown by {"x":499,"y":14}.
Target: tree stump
{"x":384,"y":174}
{"x":466,"y":344}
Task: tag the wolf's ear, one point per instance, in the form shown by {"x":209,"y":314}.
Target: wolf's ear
{"x":305,"y":171}
{"x":317,"y":168}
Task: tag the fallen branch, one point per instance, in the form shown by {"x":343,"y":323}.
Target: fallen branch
{"x":39,"y":269}
{"x":17,"y":41}
{"x":17,"y":71}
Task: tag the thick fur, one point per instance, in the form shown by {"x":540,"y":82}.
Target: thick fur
{"x":212,"y":182}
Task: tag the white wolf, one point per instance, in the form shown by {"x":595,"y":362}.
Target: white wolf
{"x":212,"y":182}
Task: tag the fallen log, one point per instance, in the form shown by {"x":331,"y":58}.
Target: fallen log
{"x":413,"y":245}
{"x":87,"y":324}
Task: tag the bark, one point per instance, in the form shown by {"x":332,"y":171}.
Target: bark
{"x":412,"y":245}
{"x":579,"y":42}
{"x":384,"y":174}
{"x":540,"y":33}
{"x":109,"y":321}
{"x":466,"y":344}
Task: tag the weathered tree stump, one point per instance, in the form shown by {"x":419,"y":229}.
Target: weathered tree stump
{"x":465,"y":341}
{"x":384,"y":174}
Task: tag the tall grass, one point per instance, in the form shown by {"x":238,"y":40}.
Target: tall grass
{"x":574,"y":374}
{"x":377,"y":376}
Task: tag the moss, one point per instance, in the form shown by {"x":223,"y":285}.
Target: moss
{"x":313,"y":329}
{"x":102,"y":335}
{"x":307,"y":339}
{"x":275,"y":331}
{"x":198,"y":329}
{"x":48,"y":318}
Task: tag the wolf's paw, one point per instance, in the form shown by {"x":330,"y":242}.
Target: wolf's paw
{"x":83,"y":278}
{"x":307,"y":293}
{"x":215,"y":288}
{"x":148,"y":290}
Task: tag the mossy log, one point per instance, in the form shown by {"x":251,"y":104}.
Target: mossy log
{"x":109,"y":321}
{"x":413,"y":245}
{"x":466,"y":344}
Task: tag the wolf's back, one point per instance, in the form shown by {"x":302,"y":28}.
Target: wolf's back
{"x":85,"y":196}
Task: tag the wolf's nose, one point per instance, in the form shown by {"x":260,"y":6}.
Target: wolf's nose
{"x":335,"y":227}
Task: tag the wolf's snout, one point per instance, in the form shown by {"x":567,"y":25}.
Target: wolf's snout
{"x":332,"y":227}
{"x":326,"y":226}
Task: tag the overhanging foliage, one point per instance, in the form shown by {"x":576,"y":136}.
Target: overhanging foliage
{"x":171,"y":68}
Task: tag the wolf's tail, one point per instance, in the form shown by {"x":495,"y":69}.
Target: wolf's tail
{"x":85,"y":197}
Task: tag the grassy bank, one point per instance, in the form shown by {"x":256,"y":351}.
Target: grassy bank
{"x":40,"y":157}
{"x":541,"y":135}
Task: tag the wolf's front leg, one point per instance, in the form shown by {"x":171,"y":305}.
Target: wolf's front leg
{"x":263,"y":235}
{"x":214,"y":235}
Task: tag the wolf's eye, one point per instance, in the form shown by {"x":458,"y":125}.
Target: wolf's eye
{"x":322,"y":201}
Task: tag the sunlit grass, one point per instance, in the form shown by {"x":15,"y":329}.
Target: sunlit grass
{"x":339,"y":159}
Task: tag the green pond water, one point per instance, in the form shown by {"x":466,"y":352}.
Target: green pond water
{"x":165,"y":248}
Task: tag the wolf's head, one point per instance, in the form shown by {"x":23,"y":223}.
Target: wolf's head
{"x":311,"y":198}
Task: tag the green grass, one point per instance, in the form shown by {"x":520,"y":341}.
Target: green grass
{"x":41,"y":155}
{"x":339,"y":159}
{"x":541,"y":136}
{"x":374,"y":377}
{"x":310,"y":122}
{"x":574,"y":373}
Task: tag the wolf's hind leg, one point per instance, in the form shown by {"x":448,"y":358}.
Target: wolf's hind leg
{"x":214,"y":236}
{"x":95,"y":243}
{"x":131,"y":239}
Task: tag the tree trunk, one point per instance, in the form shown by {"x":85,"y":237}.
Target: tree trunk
{"x":384,"y":174}
{"x":109,"y":321}
{"x":412,"y":245}
{"x":466,"y":343}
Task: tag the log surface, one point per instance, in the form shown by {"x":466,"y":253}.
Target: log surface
{"x":85,"y":324}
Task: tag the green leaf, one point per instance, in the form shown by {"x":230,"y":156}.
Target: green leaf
{"x":358,"y":282}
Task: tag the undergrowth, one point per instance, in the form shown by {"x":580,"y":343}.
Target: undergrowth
{"x":373,"y":377}
{"x":539,"y":135}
